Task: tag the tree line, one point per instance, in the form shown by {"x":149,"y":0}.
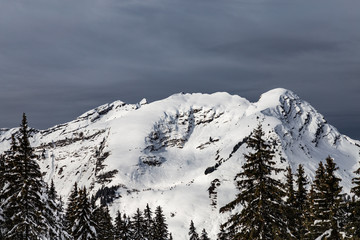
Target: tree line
{"x":32,"y":210}
{"x":294,"y":209}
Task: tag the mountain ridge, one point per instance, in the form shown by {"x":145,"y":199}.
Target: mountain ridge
{"x":184,"y":150}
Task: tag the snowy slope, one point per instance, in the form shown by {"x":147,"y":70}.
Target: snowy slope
{"x":158,"y":153}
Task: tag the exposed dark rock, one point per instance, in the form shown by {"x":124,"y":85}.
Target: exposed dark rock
{"x":153,"y":161}
{"x":68,"y":141}
{"x":175,"y":130}
{"x":210,"y":170}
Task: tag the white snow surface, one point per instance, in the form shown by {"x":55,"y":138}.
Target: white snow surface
{"x":158,"y":152}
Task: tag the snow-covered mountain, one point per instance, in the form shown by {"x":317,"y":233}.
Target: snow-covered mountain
{"x":183,"y":152}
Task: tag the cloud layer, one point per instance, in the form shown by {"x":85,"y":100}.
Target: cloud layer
{"x":59,"y":58}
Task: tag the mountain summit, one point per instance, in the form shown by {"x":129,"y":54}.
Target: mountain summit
{"x":183,"y":152}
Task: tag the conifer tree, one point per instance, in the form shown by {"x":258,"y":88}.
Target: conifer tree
{"x":54,"y":215}
{"x":335,"y":199}
{"x":2,"y":181}
{"x":104,"y":227}
{"x":149,"y":223}
{"x":118,"y":225}
{"x":12,"y":181}
{"x":127,"y":230}
{"x":353,"y":230}
{"x":84,"y":228}
{"x":318,"y":225}
{"x":63,"y":234}
{"x":70,"y":213}
{"x":289,"y":186}
{"x":356,"y":182}
{"x":2,"y":172}
{"x":193,"y":235}
{"x":222,"y":235}
{"x":290,"y":201}
{"x":50,"y":212}
{"x":160,"y":227}
{"x":122,"y":227}
{"x":262,"y":216}
{"x":204,"y":235}
{"x":328,"y":202}
{"x":138,"y":226}
{"x":52,"y":194}
{"x":95,"y":212}
{"x":170,"y":237}
{"x":301,"y":203}
{"x":23,"y":208}
{"x":309,"y":215}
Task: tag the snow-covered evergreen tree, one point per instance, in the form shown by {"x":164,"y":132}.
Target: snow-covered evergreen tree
{"x":30,"y":208}
{"x":117,"y":226}
{"x":353,"y":230}
{"x":70,"y":213}
{"x":63,"y":234}
{"x":301,"y":203}
{"x":55,"y":229}
{"x":138,"y":226}
{"x":127,"y":230}
{"x":2,"y":181}
{"x":290,"y":201}
{"x":149,"y":223}
{"x":160,"y":227}
{"x":335,"y":199}
{"x":122,"y":229}
{"x":328,"y":202}
{"x":104,"y":227}
{"x":11,"y":183}
{"x":319,"y":207}
{"x":84,"y":228}
{"x":222,"y":235}
{"x":204,"y":235}
{"x":24,"y":189}
{"x":193,"y":235}
{"x":50,"y":212}
{"x":262,"y":215}
{"x":310,"y":214}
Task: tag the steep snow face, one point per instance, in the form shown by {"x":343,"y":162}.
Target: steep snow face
{"x":183,"y":152}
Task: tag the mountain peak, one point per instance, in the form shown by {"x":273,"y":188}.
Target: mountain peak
{"x":278,"y":92}
{"x":274,"y":96}
{"x":184,"y":144}
{"x":271,"y":100}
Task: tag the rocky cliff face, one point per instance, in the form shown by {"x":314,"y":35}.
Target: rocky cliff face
{"x":183,"y":152}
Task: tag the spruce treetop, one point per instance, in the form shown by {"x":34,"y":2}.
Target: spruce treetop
{"x":261,"y":196}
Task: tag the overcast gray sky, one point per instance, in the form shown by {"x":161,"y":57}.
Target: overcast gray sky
{"x":60,"y":58}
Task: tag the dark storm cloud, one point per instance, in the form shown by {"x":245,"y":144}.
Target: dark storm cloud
{"x":59,"y":58}
{"x":266,"y":48}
